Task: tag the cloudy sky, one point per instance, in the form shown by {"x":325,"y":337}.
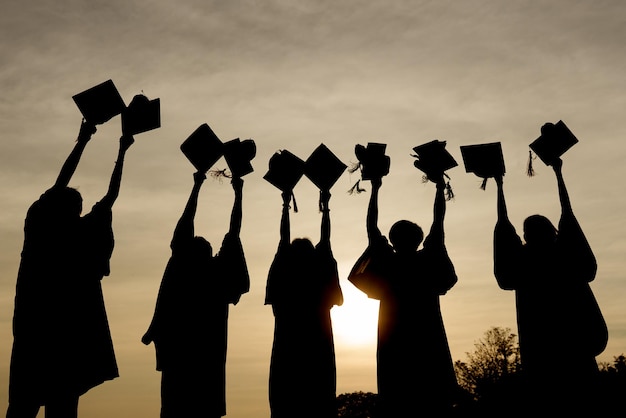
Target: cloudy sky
{"x":291,"y":75}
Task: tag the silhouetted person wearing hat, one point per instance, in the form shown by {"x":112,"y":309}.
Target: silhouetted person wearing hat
{"x":560,"y":326}
{"x":302,"y":287}
{"x":415,"y":372}
{"x":190,"y":322}
{"x":62,"y":344}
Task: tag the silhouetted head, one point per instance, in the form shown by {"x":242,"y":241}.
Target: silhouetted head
{"x":302,"y":248}
{"x":539,"y":231}
{"x":200,"y":248}
{"x":67,"y":204}
{"x":405,"y":236}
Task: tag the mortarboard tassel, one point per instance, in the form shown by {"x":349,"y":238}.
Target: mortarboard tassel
{"x":354,"y":167}
{"x":219,"y":174}
{"x":530,"y":171}
{"x":356,"y":188}
{"x":449,"y":192}
{"x":295,"y":205}
{"x":483,"y":185}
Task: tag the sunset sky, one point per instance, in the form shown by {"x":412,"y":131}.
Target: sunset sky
{"x":292,"y":74}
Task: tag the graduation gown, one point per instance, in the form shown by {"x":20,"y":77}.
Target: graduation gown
{"x":190,"y":322}
{"x":62,"y":342}
{"x":561,"y":328}
{"x":414,"y":368}
{"x":302,"y":368}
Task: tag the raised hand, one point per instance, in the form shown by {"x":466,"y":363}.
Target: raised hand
{"x":126,"y":141}
{"x":199,"y":177}
{"x":87,"y":129}
{"x":557,"y":165}
{"x":325,"y":198}
{"x":237,"y":183}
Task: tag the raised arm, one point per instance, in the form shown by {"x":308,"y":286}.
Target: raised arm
{"x":507,"y":246}
{"x":116,"y":177}
{"x":325,"y":227}
{"x":436,"y":234}
{"x":69,"y":167}
{"x":236,"y":214}
{"x":566,"y":205}
{"x":581,"y":261}
{"x":185,"y":226}
{"x":231,"y":255}
{"x":373,"y":232}
{"x":440,"y":269}
{"x":502,"y":212}
{"x":439,"y":208}
{"x":285,"y":227}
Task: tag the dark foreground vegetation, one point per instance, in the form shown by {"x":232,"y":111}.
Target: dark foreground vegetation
{"x":490,"y":383}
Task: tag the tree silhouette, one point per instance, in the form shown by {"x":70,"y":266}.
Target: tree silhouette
{"x":490,"y":382}
{"x":490,"y":376}
{"x":496,"y":358}
{"x":357,"y":405}
{"x":617,"y":368}
{"x":611,"y":386}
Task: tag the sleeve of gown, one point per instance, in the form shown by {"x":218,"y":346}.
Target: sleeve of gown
{"x":507,"y":253}
{"x":99,"y":239}
{"x":439,"y":266}
{"x":579,"y":264}
{"x":578,"y":258}
{"x":235,"y":268}
{"x":370,"y":273}
{"x":332,"y":294}
{"x":275,"y":278}
{"x":161,"y":307}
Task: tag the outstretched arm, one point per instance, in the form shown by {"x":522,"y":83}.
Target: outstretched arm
{"x":184,"y":227}
{"x":581,"y":259}
{"x":507,"y":246}
{"x":373,"y":231}
{"x":502,"y":212}
{"x":566,"y":205}
{"x":231,"y":254}
{"x":439,"y":213}
{"x":325,"y":232}
{"x":236,"y":214}
{"x":69,"y":167}
{"x":285,"y":227}
{"x":116,"y":178}
{"x":434,"y":244}
{"x":439,"y":208}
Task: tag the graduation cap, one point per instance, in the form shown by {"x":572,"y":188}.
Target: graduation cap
{"x":203,"y":148}
{"x":285,"y":170}
{"x":323,"y":167}
{"x":238,"y":155}
{"x":372,"y":160}
{"x":433,"y":158}
{"x":484,"y":160}
{"x":141,"y":115}
{"x":554,"y":141}
{"x":100,"y":103}
{"x":373,"y":163}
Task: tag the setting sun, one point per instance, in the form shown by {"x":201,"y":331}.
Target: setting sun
{"x":356,"y":321}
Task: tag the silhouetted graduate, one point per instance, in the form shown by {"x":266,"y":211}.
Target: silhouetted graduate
{"x":561,"y":328}
{"x":302,"y":287}
{"x":190,"y":322}
{"x":62,"y":344}
{"x":415,"y":372}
